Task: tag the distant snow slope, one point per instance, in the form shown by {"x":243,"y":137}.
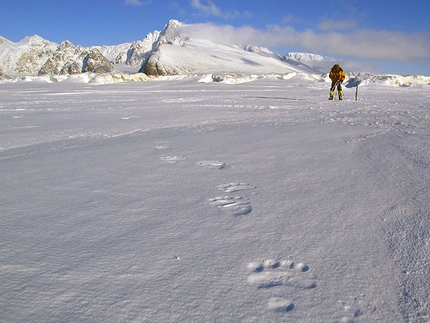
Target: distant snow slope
{"x":177,"y":54}
{"x":204,"y":57}
{"x":318,"y":62}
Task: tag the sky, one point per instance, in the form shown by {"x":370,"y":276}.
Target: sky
{"x":379,"y":36}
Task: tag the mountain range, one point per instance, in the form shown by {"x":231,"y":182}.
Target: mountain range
{"x":177,"y":50}
{"x":167,"y":52}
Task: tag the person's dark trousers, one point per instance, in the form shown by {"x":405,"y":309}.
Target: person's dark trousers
{"x":335,"y":85}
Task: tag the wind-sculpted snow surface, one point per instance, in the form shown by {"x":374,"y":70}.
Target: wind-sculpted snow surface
{"x":186,"y":201}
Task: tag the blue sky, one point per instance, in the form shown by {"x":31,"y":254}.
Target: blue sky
{"x":383,"y":36}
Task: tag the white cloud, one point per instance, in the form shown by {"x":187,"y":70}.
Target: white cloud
{"x":363,"y":44}
{"x":207,"y":7}
{"x":136,"y":3}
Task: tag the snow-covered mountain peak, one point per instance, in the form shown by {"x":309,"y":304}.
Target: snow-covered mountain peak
{"x":173,"y":24}
{"x":187,"y":49}
{"x":66,"y":44}
{"x":297,"y":56}
{"x":4,"y":41}
{"x":315,"y":61}
{"x":170,"y":35}
{"x":259,"y":49}
{"x":35,"y":41}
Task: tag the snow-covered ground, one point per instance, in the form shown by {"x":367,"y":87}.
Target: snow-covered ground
{"x":187,"y":201}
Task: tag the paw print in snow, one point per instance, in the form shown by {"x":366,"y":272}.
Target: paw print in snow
{"x":162,"y":146}
{"x":234,"y":187}
{"x":173,"y":159}
{"x":271,"y":273}
{"x":279,"y":304}
{"x":215,"y":164}
{"x":274,"y":273}
{"x":234,"y":205}
{"x":352,"y":309}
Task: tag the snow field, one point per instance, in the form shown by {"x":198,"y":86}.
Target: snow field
{"x":177,"y":201}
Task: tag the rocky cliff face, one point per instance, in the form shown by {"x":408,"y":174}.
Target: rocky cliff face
{"x":139,"y":51}
{"x":69,"y":59}
{"x":37,"y":56}
{"x":95,"y":62}
{"x":131,"y":54}
{"x":25,"y":57}
{"x":62,"y":61}
{"x":152,"y":64}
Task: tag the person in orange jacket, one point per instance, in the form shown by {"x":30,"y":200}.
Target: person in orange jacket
{"x":337,"y":75}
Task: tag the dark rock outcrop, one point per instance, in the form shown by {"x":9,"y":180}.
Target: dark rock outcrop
{"x":69,"y":59}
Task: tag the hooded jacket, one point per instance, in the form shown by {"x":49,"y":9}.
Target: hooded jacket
{"x":337,"y":74}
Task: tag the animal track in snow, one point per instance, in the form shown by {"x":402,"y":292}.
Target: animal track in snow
{"x":162,"y":146}
{"x":279,"y":304}
{"x":273,"y":273}
{"x":270,"y":273}
{"x":234,"y":187}
{"x":211,"y":164}
{"x":173,"y":159}
{"x":129,"y":117}
{"x":351,"y":309}
{"x":235,"y":205}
